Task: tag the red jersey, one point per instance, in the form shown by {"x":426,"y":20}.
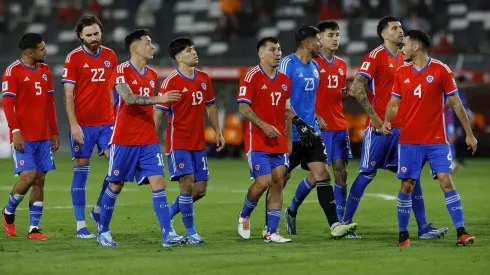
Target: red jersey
{"x":134,"y":124}
{"x":185,"y":129}
{"x":28,"y":95}
{"x":379,"y":66}
{"x":91,"y":75}
{"x":333,"y":82}
{"x":267,"y":97}
{"x":423,"y":95}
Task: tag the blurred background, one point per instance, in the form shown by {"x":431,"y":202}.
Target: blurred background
{"x":225,"y":33}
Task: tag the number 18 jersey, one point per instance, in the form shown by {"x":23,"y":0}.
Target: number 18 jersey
{"x":185,"y":129}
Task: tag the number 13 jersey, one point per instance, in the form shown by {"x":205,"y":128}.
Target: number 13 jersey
{"x":185,"y":129}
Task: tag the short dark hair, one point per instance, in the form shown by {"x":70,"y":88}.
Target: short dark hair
{"x":419,"y":36}
{"x":133,"y":36}
{"x":383,"y":23}
{"x":30,"y":41}
{"x":179,"y":44}
{"x":304,"y":33}
{"x":87,"y":20}
{"x":328,"y":25}
{"x":264,"y":41}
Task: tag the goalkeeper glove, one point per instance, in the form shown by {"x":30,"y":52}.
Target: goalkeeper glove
{"x":307,"y":133}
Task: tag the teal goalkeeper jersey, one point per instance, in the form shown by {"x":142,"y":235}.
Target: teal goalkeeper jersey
{"x":304,"y":79}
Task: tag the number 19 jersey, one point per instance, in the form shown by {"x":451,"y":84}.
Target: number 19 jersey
{"x":134,"y":124}
{"x":185,"y":129}
{"x":91,"y":75}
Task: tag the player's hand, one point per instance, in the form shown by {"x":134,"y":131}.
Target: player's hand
{"x":471,"y":142}
{"x":18,"y":141}
{"x":270,"y":131}
{"x":377,"y":122}
{"x":321,"y":123}
{"x":307,"y":134}
{"x":168,"y":97}
{"x":55,"y":143}
{"x":386,"y":128}
{"x":77,"y":133}
{"x":220,"y":142}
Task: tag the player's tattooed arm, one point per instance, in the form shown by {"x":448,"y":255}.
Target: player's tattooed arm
{"x":247,"y":112}
{"x":358,"y":88}
{"x":127,"y":95}
{"x":158,"y":115}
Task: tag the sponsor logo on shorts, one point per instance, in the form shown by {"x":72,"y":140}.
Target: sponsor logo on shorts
{"x":21,"y":162}
{"x":116,"y":172}
{"x":373,"y":163}
{"x":257,"y":167}
{"x":404,"y":169}
{"x":76,"y":148}
{"x":181,"y":165}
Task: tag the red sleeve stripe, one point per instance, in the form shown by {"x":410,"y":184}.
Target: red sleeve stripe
{"x":8,"y":71}
{"x":250,"y":74}
{"x":374,"y":52}
{"x":68,"y":57}
{"x":167,"y":80}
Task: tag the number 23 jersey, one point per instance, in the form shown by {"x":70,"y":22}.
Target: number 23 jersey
{"x":185,"y":129}
{"x":134,"y":124}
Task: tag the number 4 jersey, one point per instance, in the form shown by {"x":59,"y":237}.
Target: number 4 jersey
{"x":134,"y":124}
{"x":185,"y":129}
{"x":267,"y":97}
{"x":91,"y":75}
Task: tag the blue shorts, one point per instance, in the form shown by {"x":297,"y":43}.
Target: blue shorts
{"x":262,"y":163}
{"x":129,"y":163}
{"x":37,"y":156}
{"x":185,"y":162}
{"x":379,"y":151}
{"x":337,"y":144}
{"x":93,"y":135}
{"x":414,"y":156}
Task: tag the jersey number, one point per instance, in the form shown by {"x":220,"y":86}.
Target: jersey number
{"x":418,"y":91}
{"x":160,"y":159}
{"x":310,"y":84}
{"x":275,"y":98}
{"x":204,"y":163}
{"x":196,"y":98}
{"x":144,"y":91}
{"x":39,"y":90}
{"x":98,"y":75}
{"x":333,"y":81}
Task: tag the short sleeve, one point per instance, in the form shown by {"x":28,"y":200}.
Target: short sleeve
{"x":286,"y":67}
{"x":368,"y":65}
{"x":448,"y":82}
{"x":396,"y":92}
{"x":246,"y":90}
{"x":50,"y":81}
{"x":165,"y":87}
{"x":118,"y":76}
{"x":70,"y":70}
{"x":210,"y":99}
{"x":9,"y":83}
{"x":343,"y":80}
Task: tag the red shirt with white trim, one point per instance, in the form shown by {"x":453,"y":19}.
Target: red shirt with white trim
{"x":379,"y":66}
{"x":267,"y":97}
{"x":423,"y":94}
{"x":91,"y":75}
{"x":185,"y":129}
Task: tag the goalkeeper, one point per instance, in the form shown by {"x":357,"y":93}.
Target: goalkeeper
{"x":308,"y":148}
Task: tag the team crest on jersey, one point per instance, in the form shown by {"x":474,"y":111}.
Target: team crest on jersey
{"x":45,"y":77}
{"x":203,"y":85}
{"x":107,"y":63}
{"x":152,"y":83}
{"x":315,"y":72}
{"x":429,"y":78}
{"x":341,"y":72}
{"x":284,"y":87}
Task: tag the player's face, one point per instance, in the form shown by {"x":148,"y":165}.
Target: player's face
{"x":271,"y":54}
{"x":394,"y":33}
{"x":314,"y":45}
{"x":38,"y":54}
{"x":91,"y":37}
{"x":330,"y":39}
{"x":408,"y":49}
{"x":188,"y":56}
{"x":145,"y":48}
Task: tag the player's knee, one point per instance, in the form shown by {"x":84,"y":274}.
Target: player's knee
{"x":28,"y":177}
{"x":407,"y":186}
{"x":445,"y":181}
{"x":81,"y":162}
{"x":199,"y":190}
{"x":319,"y":175}
{"x":117,"y":186}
